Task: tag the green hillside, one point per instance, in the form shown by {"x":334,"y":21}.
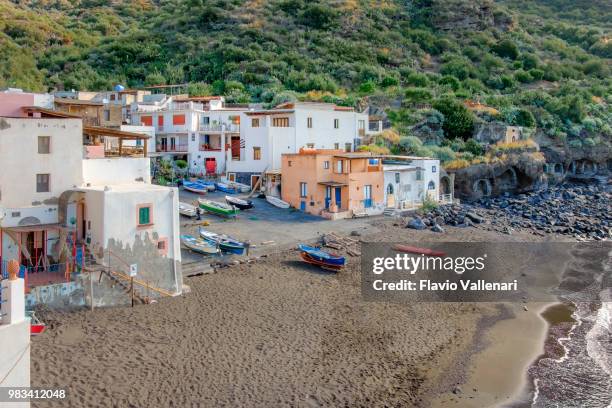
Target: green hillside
{"x":544,"y":63}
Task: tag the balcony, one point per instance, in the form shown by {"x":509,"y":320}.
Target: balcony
{"x":208,"y":148}
{"x":172,"y":148}
{"x":219,"y":127}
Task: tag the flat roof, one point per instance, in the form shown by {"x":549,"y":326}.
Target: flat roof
{"x":68,"y":101}
{"x":125,"y":187}
{"x":269,"y":112}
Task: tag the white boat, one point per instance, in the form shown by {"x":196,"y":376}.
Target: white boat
{"x":277,"y":202}
{"x":187,"y":210}
{"x":239,"y":202}
{"x":198,"y":245}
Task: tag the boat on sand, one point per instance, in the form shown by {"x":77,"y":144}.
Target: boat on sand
{"x":277,"y":202}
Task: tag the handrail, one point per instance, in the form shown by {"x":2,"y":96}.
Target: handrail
{"x":141,"y":283}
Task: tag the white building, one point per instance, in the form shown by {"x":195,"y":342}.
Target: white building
{"x":265,"y":135}
{"x":198,"y":130}
{"x":409,"y":183}
{"x":65,"y":190}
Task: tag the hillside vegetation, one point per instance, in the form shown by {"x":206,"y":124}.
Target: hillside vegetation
{"x":543,"y":64}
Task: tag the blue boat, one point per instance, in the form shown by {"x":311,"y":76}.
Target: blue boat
{"x":210,"y":185}
{"x":317,"y":256}
{"x":226,"y":188}
{"x":224,"y":242}
{"x":194,"y":187}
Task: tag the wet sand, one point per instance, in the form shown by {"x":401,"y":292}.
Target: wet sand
{"x":278,"y":332}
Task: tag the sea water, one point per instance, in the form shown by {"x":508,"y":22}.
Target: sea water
{"x":581,"y":376}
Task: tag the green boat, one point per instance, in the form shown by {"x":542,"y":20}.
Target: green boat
{"x":215,"y":207}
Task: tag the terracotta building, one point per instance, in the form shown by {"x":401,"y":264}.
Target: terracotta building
{"x":332,"y":183}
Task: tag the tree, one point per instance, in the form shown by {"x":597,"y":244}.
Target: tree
{"x":458,"y":120}
{"x":416,"y":95}
{"x":506,"y":49}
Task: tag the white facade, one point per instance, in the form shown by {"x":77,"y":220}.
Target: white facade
{"x":46,"y":179}
{"x":266,"y":135}
{"x":408,"y":184}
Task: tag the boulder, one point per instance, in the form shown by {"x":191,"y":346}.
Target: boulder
{"x":416,"y":223}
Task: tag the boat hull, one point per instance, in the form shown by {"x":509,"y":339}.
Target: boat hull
{"x":195,"y":188}
{"x":195,"y":245}
{"x":307,"y":258}
{"x":321,"y":256}
{"x":277,"y":202}
{"x":218,"y":209}
{"x":226,"y":244}
{"x":244,"y":205}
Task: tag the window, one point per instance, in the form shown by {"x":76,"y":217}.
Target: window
{"x":280,"y":122}
{"x":107,"y":114}
{"x":326,"y":164}
{"x":178,"y":120}
{"x":347,"y":147}
{"x":431,"y":185}
{"x":42,"y":183}
{"x":161,"y":245}
{"x":205,"y":120}
{"x":310,"y":145}
{"x":361,"y":124}
{"x":160,"y":121}
{"x":44,"y":144}
{"x":145,"y":215}
{"x":193,"y":137}
{"x":336,"y":123}
{"x":397,"y":178}
{"x":433,"y":169}
{"x":289,"y":163}
{"x":309,"y":123}
{"x":255,"y":122}
{"x":336,"y":146}
{"x":303,"y":190}
{"x":339,"y":166}
{"x":256,"y":153}
{"x":146,"y":120}
{"x":419,"y":174}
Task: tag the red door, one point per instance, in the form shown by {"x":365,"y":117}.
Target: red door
{"x":211,"y":166}
{"x":236,"y":148}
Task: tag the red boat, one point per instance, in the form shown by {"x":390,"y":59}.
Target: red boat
{"x":418,"y":251}
{"x":36,"y":326}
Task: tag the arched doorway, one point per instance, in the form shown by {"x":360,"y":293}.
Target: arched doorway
{"x":390,"y":195}
{"x":482,"y":187}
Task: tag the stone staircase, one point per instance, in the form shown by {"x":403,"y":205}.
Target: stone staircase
{"x":389,"y":212}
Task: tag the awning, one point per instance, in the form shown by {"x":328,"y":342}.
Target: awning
{"x":34,"y":228}
{"x":332,"y":184}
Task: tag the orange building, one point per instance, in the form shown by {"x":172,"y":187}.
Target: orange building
{"x":332,"y":183}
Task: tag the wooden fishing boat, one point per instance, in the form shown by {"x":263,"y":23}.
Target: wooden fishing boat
{"x":317,"y":256}
{"x":239,"y":203}
{"x":418,"y":250}
{"x":194,"y":187}
{"x":187,"y":210}
{"x":277,"y":202}
{"x":199,"y":245}
{"x":36,"y":326}
{"x":226,"y":188}
{"x":215,"y":207}
{"x":243,"y":188}
{"x":224,"y":242}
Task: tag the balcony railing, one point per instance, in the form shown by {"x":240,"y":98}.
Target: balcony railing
{"x":219,"y":127}
{"x":172,"y":148}
{"x":207,"y":148}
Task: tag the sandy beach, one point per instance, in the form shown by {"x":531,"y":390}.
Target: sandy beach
{"x":277,"y":332}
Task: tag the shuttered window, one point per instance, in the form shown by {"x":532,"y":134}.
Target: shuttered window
{"x":144,"y":215}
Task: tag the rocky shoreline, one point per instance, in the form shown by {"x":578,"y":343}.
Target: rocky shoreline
{"x":578,"y":211}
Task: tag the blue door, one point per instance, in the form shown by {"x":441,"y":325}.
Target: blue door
{"x":303,"y":205}
{"x":367,"y":202}
{"x":327,"y":196}
{"x":338,"y":197}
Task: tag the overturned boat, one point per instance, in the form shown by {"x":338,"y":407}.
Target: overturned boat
{"x":198,"y":245}
{"x":215,"y":207}
{"x":224,"y":242}
{"x":187,"y":210}
{"x":277,"y":202}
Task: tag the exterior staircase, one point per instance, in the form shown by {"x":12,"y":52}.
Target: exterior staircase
{"x":389,"y":211}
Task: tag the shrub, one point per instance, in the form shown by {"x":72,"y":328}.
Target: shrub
{"x":506,"y":49}
{"x":367,"y":87}
{"x":522,"y":76}
{"x":536,"y":74}
{"x":472,"y":146}
{"x":181,"y":164}
{"x":589,"y":142}
{"x":410,"y":143}
{"x":460,"y":68}
{"x":318,"y":16}
{"x":450,"y":81}
{"x":389,"y":81}
{"x":458,"y":120}
{"x":417,"y":79}
{"x":530,"y":61}
{"x":416,"y":95}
